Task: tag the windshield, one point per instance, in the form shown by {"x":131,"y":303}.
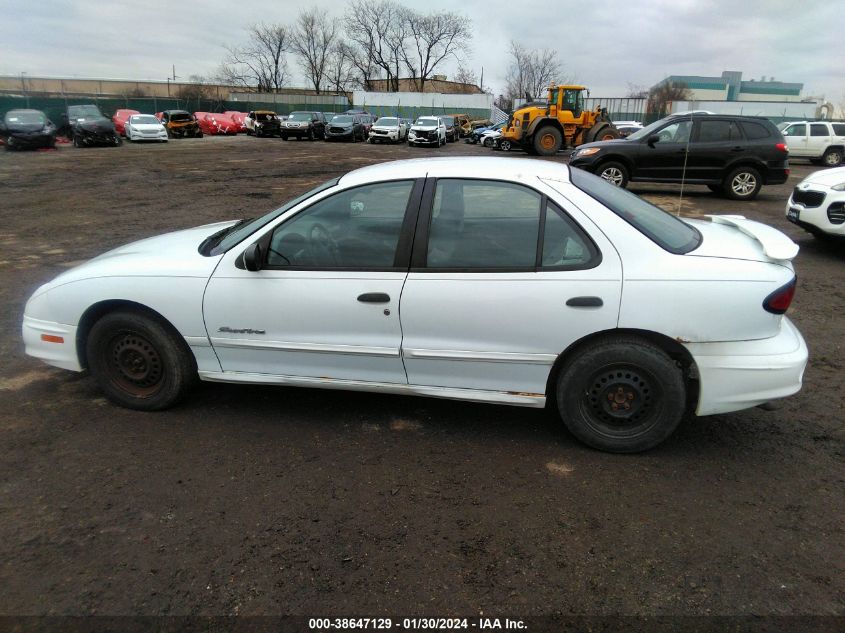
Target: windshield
{"x":78,"y":112}
{"x":144,"y":119}
{"x":425,"y":121}
{"x":665,"y":230}
{"x":264,"y":116}
{"x":181,"y":116}
{"x":387,"y":121}
{"x":223,"y":240}
{"x":25,"y":117}
{"x":342,"y":120}
{"x":300,"y":116}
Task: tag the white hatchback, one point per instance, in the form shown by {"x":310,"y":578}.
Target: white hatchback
{"x":488,"y":279}
{"x":817,"y":204}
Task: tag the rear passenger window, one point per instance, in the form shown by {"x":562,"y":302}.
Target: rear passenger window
{"x":483,"y":224}
{"x":754,"y":131}
{"x":715,"y":131}
{"x":818,"y":130}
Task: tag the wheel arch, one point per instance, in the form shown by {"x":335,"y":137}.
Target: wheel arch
{"x":759,"y":166}
{"x":100,"y":309}
{"x":616,"y":158}
{"x":674,"y":349}
{"x":539,"y":122}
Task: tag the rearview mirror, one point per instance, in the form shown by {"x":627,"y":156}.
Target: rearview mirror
{"x":252,"y":257}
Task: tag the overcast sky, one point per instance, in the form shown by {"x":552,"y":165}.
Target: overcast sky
{"x":605,"y":45}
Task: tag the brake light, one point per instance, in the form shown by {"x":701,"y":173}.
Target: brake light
{"x":778,"y":302}
{"x":782,"y":147}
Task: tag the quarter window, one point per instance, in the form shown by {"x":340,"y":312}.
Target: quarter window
{"x":564,"y":244}
{"x":356,"y":228}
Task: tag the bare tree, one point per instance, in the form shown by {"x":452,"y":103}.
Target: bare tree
{"x":636,"y":91}
{"x":432,"y":39}
{"x":313,"y":38}
{"x":531,"y":71}
{"x":195,"y":89}
{"x":841,"y":113}
{"x":465,"y":75}
{"x":341,"y":67}
{"x":378,"y":31}
{"x":664,"y":93}
{"x":260,"y":64}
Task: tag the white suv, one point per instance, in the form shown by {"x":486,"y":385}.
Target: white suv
{"x":820,"y":141}
{"x":817,"y":204}
{"x":428,"y":130}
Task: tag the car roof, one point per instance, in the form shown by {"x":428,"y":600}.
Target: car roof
{"x":483,"y":167}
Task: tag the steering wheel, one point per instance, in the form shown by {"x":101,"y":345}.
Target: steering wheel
{"x":322,"y":243}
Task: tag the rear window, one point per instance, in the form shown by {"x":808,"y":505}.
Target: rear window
{"x":665,"y":230}
{"x":754,"y":131}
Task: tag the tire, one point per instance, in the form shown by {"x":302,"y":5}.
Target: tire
{"x":284,"y":137}
{"x":622,"y":395}
{"x":310,"y":135}
{"x":742,"y":183}
{"x":117,"y":140}
{"x":488,"y":142}
{"x":505,"y":145}
{"x":832,"y":157}
{"x":614,"y":173}
{"x":547,"y":141}
{"x":77,"y":141}
{"x":199,"y":134}
{"x":138,"y":362}
{"x":604,"y":133}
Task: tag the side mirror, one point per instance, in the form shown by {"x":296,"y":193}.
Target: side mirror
{"x":252,"y":257}
{"x":652,"y":140}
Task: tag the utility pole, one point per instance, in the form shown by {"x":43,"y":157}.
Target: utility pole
{"x":23,"y":88}
{"x":168,"y":86}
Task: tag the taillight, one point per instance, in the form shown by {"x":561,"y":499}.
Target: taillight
{"x":782,"y":147}
{"x":778,"y":302}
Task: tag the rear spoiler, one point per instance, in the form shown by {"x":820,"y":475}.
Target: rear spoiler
{"x":775,"y":244}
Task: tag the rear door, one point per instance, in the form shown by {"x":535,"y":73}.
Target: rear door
{"x":819,"y":139}
{"x":715,"y":144}
{"x":503,"y":279}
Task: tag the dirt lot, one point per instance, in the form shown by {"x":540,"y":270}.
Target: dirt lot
{"x":263,"y":500}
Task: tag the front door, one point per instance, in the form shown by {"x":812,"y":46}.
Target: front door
{"x":664,"y":158}
{"x":502,"y":281}
{"x":325,"y":304}
{"x":796,"y":139}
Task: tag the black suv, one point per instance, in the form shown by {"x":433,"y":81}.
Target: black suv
{"x":310,"y":125}
{"x":735,"y":155}
{"x":85,"y":125}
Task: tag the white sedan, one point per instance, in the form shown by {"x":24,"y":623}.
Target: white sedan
{"x":487,"y":279}
{"x":145,"y":127}
{"x":817,"y":204}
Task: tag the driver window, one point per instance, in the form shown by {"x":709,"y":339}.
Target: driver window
{"x":356,"y":228}
{"x":675,"y":133}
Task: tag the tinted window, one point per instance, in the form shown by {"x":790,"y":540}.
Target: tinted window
{"x":754,"y":131}
{"x":839,"y":129}
{"x":819,"y":130}
{"x":356,"y":228}
{"x":564,"y":244}
{"x":675,"y":133}
{"x":796,"y":130}
{"x":715,"y":131}
{"x":483,"y":224}
{"x":664,"y":229}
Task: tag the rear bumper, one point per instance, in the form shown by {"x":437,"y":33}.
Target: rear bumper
{"x":742,"y":374}
{"x":59,"y":354}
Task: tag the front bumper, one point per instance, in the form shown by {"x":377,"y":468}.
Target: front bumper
{"x":736,"y":375}
{"x":59,"y":354}
{"x":817,"y":219}
{"x":30,"y":141}
{"x":424,"y":140}
{"x":384,"y":136}
{"x":347,"y":135}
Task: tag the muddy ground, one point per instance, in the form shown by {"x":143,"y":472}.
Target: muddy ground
{"x":268,"y":500}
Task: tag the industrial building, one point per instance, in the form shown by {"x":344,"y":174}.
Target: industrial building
{"x":731,"y":87}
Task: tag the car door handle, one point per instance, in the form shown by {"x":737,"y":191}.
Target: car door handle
{"x":585,"y":302}
{"x":737,"y":149}
{"x":374,"y":297}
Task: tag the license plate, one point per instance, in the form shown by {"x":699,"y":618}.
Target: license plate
{"x":792,"y":214}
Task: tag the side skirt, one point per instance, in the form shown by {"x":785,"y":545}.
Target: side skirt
{"x":536,"y":400}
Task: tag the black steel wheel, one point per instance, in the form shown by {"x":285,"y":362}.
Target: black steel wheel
{"x":623,"y":395}
{"x":138,"y":362}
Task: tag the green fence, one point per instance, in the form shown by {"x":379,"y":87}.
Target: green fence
{"x":54,"y":107}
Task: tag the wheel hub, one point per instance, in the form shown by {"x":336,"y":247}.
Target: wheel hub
{"x":547,"y":141}
{"x":136,"y":362}
{"x":619,"y":396}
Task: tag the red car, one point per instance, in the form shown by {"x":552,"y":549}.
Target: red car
{"x":120,"y":118}
{"x":215,"y":123}
{"x":237,"y":118}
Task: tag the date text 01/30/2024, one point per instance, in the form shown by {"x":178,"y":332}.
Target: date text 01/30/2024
{"x":490,"y":624}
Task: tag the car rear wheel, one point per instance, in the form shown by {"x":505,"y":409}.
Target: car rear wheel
{"x":505,"y":145}
{"x":138,"y":362}
{"x":832,"y":157}
{"x":614,"y":173}
{"x":743,"y":183}
{"x":623,"y":395}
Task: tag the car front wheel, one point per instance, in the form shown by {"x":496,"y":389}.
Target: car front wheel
{"x":623,"y":395}
{"x":614,"y":173}
{"x":743,"y":183}
{"x":138,"y":362}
